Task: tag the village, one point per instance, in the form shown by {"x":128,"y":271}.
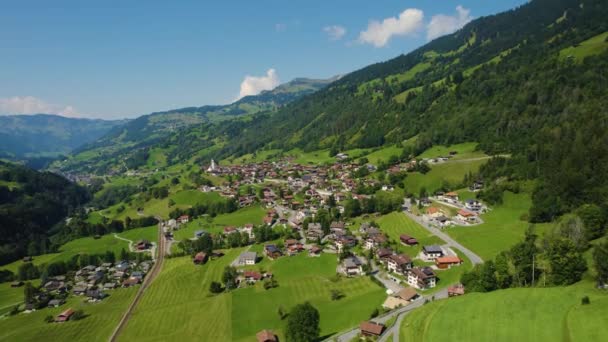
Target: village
{"x":293,"y":195}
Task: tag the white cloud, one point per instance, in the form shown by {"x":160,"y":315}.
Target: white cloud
{"x":335,"y":32}
{"x":379,"y":33}
{"x":442,"y":24}
{"x":253,"y":85}
{"x":33,"y":105}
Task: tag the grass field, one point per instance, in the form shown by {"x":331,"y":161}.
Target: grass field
{"x":592,"y":46}
{"x":87,"y":245}
{"x":451,"y":172}
{"x":253,"y":214}
{"x":523,"y":314}
{"x":502,"y":227}
{"x":147,"y":233}
{"x":101,"y":318}
{"x":465,"y":150}
{"x":178,"y":306}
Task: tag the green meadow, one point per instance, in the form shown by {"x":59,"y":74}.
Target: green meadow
{"x":592,"y":46}
{"x":450,"y":173}
{"x":101,"y":319}
{"x":502,"y":227}
{"x":178,"y":306}
{"x":519,"y":314}
{"x":253,"y":214}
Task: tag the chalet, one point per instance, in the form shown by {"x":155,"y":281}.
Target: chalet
{"x":465,"y":216}
{"x":352,"y":266}
{"x":266,"y":336}
{"x":399,"y":263}
{"x":476,"y":186}
{"x":272,"y":251}
{"x":383,"y":253}
{"x":295,"y":248}
{"x":472,"y":204}
{"x":314,"y":231}
{"x":371,"y":329}
{"x":95,"y":295}
{"x":451,"y":197}
{"x":456,"y":290}
{"x":247,"y":258}
{"x":183,"y":219}
{"x":315,"y":251}
{"x":200,"y":258}
{"x":131,"y":281}
{"x":64,"y":316}
{"x":337,"y":226}
{"x":143,"y":245}
{"x":109,"y":286}
{"x":421,"y":278}
{"x":248,"y":228}
{"x":447,"y":261}
{"x":16,"y":283}
{"x":432,"y":252}
{"x":375,"y":241}
{"x":230,"y":230}
{"x":434,"y":212}
{"x":79,"y":289}
{"x":407,"y":294}
{"x":55,"y":303}
{"x":442,"y":221}
{"x":408,"y":240}
{"x":345,"y":241}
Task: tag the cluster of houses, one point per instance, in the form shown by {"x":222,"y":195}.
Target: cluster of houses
{"x":467,"y":214}
{"x":90,"y":282}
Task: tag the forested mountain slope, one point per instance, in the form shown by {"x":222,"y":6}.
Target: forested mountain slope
{"x":31,"y":203}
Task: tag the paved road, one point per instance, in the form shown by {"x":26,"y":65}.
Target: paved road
{"x":147,"y":281}
{"x":475,"y":259}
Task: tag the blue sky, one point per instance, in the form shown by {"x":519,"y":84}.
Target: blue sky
{"x":112,"y":59}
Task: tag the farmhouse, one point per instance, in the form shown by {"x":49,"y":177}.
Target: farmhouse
{"x":375,"y":241}
{"x":247,"y":258}
{"x":384,"y":253}
{"x":314,"y":231}
{"x":183,"y":219}
{"x":369,"y":328}
{"x":434,"y":212}
{"x":408,"y":240}
{"x":447,"y":261}
{"x":16,"y":283}
{"x":200,"y":258}
{"x":266,"y":336}
{"x":251,"y":276}
{"x":421,"y":278}
{"x":272,"y":251}
{"x":432,"y":252}
{"x":343,"y":242}
{"x":472,"y":204}
{"x":64,"y":316}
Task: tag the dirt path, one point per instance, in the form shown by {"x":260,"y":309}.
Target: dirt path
{"x":147,"y":281}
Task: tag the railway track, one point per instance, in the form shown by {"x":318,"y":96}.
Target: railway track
{"x":160,"y":257}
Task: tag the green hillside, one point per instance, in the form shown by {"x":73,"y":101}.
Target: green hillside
{"x":539,"y":314}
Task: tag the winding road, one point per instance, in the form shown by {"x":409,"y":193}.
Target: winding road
{"x":160,"y":257}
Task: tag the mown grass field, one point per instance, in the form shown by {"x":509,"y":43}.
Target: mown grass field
{"x":301,"y":279}
{"x":253,"y":214}
{"x":451,"y":172}
{"x":101,"y":319}
{"x":502,"y":227}
{"x":464,"y":150}
{"x":522,"y":314}
{"x":178,"y":306}
{"x":147,"y":233}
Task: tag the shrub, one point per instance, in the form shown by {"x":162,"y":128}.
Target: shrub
{"x":585,"y":300}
